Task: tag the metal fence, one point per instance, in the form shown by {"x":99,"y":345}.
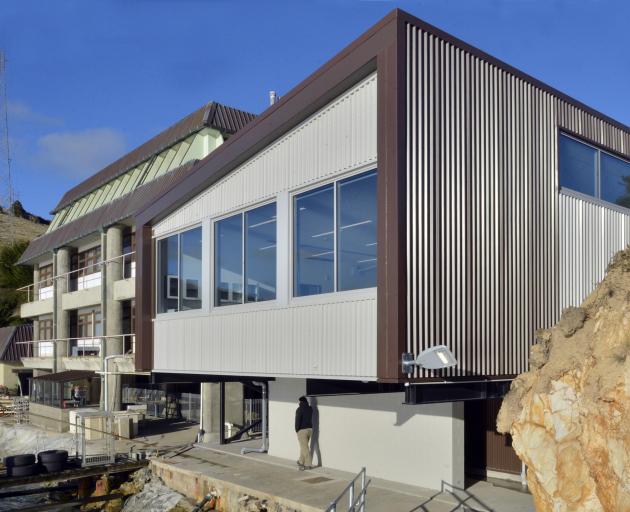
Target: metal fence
{"x":101,"y":430}
{"x":252,"y":413}
{"x":165,"y":405}
{"x":356,"y":492}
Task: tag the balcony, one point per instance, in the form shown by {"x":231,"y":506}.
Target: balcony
{"x":82,"y":353}
{"x":80,"y":287}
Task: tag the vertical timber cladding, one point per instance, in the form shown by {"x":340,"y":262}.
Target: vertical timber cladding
{"x":482,"y":203}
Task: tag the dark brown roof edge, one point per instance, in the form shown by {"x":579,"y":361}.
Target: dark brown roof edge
{"x":227,"y":120}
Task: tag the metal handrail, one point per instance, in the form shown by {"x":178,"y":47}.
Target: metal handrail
{"x":353,"y":502}
{"x":50,"y":280}
{"x":125,"y":337}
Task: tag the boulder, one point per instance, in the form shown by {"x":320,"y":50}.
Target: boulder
{"x":569,"y":415}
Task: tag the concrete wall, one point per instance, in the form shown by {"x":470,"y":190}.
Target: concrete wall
{"x":49,"y":418}
{"x":417,"y":445}
{"x":7,"y":377}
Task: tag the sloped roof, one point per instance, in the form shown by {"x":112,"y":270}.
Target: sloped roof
{"x":10,"y":350}
{"x":110,"y":213}
{"x":227,"y":120}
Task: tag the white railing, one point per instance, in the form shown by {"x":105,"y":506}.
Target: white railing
{"x":83,"y":346}
{"x":356,"y":497}
{"x":78,"y":279}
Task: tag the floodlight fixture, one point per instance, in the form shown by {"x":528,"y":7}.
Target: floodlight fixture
{"x":438,"y":357}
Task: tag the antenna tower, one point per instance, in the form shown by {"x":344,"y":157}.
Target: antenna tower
{"x":7,"y":192}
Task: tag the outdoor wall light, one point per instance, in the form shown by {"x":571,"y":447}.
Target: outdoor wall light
{"x":434,"y":358}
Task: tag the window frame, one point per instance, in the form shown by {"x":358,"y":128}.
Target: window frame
{"x":156,"y":276}
{"x":213,"y":222}
{"x":598,"y":170}
{"x":335,"y":295}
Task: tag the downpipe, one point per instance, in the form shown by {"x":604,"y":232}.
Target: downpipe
{"x":265,"y":440}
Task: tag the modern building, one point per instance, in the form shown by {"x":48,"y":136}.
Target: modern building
{"x":82,"y":303}
{"x":413,"y":191}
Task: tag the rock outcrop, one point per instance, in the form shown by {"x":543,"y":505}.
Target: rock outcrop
{"x":569,"y":415}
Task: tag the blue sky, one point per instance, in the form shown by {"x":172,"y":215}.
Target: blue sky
{"x":88,"y":81}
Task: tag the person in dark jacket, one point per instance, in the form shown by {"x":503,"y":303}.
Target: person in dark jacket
{"x":304,"y":430}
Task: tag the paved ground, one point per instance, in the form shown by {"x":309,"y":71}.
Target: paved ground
{"x":316,"y":488}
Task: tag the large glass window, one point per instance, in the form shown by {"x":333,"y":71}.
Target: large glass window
{"x":578,"y":166}
{"x":190,"y":269}
{"x":228,"y":261}
{"x":245,"y":252}
{"x":615,"y":180}
{"x":356,"y":232}
{"x":314,"y":260}
{"x":260,"y":253}
{"x":179,"y":272}
{"x":592,"y":171}
{"x":335,"y":235}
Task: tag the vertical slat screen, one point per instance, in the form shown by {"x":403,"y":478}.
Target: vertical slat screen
{"x":483,"y":234}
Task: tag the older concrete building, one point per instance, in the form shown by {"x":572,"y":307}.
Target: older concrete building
{"x":82,"y":303}
{"x":412,"y":192}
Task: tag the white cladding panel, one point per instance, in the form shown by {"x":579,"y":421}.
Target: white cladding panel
{"x":334,"y":339}
{"x":338,"y":138}
{"x":331,"y":336}
{"x":590,"y":234}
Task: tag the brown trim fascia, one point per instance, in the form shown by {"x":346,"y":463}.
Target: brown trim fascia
{"x":480,"y":54}
{"x":144,"y":298}
{"x":391,"y":150}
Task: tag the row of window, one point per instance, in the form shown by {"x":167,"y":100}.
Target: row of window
{"x":334,"y":249}
{"x":591,"y":171}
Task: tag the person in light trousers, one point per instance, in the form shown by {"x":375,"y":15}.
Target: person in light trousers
{"x":304,"y":431}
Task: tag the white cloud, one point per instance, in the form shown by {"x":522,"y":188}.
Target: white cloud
{"x":21,"y":112}
{"x":79,"y":154}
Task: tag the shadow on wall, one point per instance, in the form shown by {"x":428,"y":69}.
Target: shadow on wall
{"x":315,"y":447}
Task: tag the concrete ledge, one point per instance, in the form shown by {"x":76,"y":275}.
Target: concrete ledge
{"x":38,"y":363}
{"x":81,"y":298}
{"x":125,"y":289}
{"x":36,"y":308}
{"x":50,"y":418}
{"x":194,"y":484}
{"x":82,"y":363}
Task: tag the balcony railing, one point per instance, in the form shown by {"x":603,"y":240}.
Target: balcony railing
{"x":83,"y":346}
{"x":79,"y":279}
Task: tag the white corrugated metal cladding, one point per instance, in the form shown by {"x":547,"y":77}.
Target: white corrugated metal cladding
{"x":327,"y":336}
{"x":488,"y":260}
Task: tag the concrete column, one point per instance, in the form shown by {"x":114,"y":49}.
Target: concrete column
{"x":210,"y":399}
{"x":112,"y":310}
{"x":35,"y":295}
{"x":35,"y":336}
{"x":61,"y":317}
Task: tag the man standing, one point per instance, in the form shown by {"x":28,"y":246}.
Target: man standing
{"x":304,"y":430}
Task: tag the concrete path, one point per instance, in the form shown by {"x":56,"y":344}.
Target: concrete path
{"x":267,"y":477}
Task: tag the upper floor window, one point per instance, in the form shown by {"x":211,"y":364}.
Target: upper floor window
{"x":592,"y":171}
{"x":245,"y":257}
{"x":179,"y":272}
{"x":334,"y":236}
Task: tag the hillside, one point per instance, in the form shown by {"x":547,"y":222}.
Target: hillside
{"x":20,"y":226}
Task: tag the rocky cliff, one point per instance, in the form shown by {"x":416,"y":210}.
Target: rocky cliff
{"x":569,"y":416}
